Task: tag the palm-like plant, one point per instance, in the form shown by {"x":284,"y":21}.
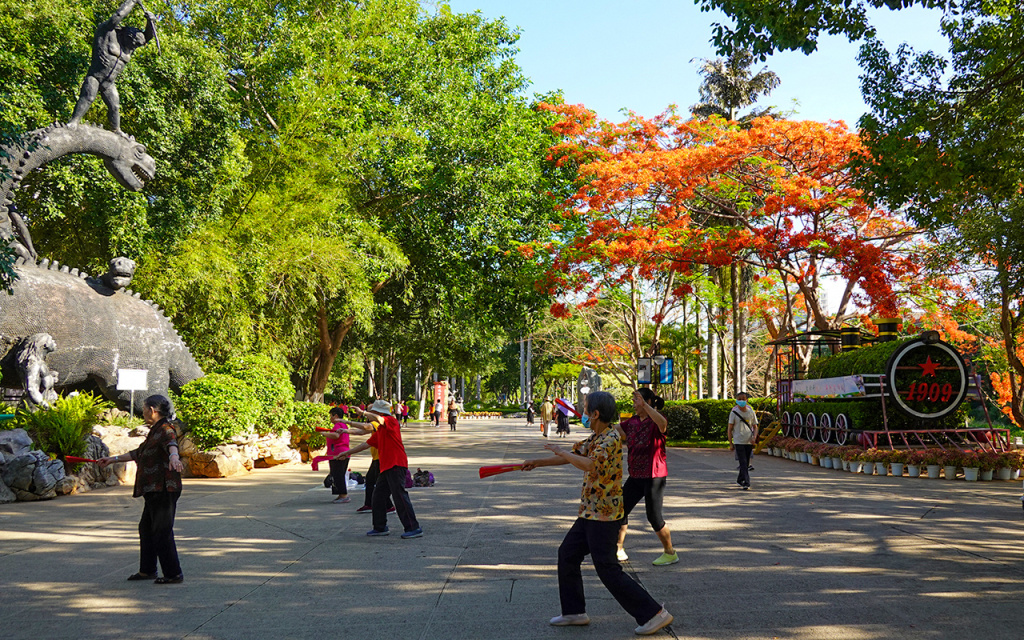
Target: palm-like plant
{"x":730,"y":85}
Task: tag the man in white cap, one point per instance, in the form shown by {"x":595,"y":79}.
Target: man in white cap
{"x":394,"y":466}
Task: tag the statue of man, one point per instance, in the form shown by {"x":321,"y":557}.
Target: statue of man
{"x":112,"y":48}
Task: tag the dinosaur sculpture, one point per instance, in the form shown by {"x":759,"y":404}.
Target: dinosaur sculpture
{"x":123,"y":157}
{"x":97,"y":327}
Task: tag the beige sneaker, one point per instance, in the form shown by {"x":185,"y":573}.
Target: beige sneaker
{"x":661,"y":619}
{"x":573,"y":619}
{"x":621,"y":555}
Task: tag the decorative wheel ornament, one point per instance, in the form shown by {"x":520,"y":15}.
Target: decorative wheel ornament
{"x":842,"y":429}
{"x":927,"y":378}
{"x":811,"y":426}
{"x":798,"y":425}
{"x":825,"y":426}
{"x":787,"y":424}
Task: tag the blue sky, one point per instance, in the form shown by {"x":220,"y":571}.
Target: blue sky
{"x":643,"y":55}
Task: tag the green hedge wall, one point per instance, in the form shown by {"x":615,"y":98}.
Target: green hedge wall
{"x":709,"y":419}
{"x":864,"y":360}
{"x":271,"y":387}
{"x":217,"y":407}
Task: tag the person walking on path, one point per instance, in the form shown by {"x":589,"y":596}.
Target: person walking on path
{"x":742,"y":436}
{"x":362,"y":428}
{"x":453,"y":414}
{"x":644,"y":435}
{"x":529,"y":414}
{"x":405,"y":413}
{"x":437,"y":412}
{"x":546,"y":414}
{"x":394,"y":466}
{"x":597,"y":527}
{"x":158,"y":482}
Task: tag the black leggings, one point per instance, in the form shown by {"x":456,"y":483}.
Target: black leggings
{"x":652,"y":490}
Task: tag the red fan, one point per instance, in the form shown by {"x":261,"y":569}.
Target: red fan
{"x":566,"y":407}
{"x":76,"y":460}
{"x":495,"y":469}
{"x":317,"y":460}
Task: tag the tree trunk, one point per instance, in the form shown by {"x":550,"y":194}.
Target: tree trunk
{"x":734,"y":291}
{"x":326,"y":353}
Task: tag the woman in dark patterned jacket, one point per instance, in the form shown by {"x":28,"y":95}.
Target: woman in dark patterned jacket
{"x":158,"y":481}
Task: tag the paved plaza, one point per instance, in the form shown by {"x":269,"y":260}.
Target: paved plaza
{"x":807,"y":554}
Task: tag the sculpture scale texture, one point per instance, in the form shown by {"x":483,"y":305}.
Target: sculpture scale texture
{"x":96,"y":330}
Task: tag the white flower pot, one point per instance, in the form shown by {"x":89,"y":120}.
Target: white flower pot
{"x":970,"y":474}
{"x":934,"y":470}
{"x":882,"y":468}
{"x":825,"y":461}
{"x":949,"y":472}
{"x":1005,"y":473}
{"x":913,"y":470}
{"x":855,"y":466}
{"x":837,"y":462}
{"x":897,"y":469}
{"x":987,"y":474}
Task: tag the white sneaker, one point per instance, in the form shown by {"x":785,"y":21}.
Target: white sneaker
{"x":662,"y":619}
{"x":573,"y":619}
{"x":621,"y":555}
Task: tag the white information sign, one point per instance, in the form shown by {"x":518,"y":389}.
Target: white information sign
{"x":844,"y":387}
{"x":132,"y":380}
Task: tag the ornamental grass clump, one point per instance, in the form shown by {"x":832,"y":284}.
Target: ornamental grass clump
{"x":63,"y":429}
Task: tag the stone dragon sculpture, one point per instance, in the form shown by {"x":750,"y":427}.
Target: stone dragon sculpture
{"x":123,"y":157}
{"x":96,"y":325}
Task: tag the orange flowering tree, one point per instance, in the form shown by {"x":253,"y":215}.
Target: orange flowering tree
{"x":661,"y":201}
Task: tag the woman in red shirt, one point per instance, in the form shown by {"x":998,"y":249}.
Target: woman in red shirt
{"x":644,"y":435}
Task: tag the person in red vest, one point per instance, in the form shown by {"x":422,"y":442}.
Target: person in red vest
{"x":394,"y":466}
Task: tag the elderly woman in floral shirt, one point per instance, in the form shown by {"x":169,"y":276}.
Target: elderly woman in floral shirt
{"x":596,"y":530}
{"x":158,"y":481}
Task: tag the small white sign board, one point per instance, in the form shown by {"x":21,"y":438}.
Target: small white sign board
{"x":132,"y":380}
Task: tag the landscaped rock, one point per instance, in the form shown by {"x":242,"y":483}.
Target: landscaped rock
{"x":67,"y":485}
{"x":6,"y":495}
{"x":33,"y":476}
{"x":14,"y":442}
{"x":222,"y":462}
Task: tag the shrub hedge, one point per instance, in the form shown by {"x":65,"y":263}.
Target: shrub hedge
{"x":709,"y":419}
{"x":309,"y":416}
{"x":864,"y":360}
{"x":217,"y":407}
{"x":271,"y":387}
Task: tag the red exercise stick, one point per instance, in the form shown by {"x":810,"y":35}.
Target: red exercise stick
{"x":317,"y":460}
{"x":495,"y":469}
{"x":76,"y":460}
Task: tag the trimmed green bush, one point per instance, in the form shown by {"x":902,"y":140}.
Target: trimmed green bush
{"x":216,"y":408}
{"x":62,"y":429}
{"x":309,"y":416}
{"x":683,"y":420}
{"x":271,"y":387}
{"x":864,"y":360}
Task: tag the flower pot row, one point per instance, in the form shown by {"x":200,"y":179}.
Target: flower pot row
{"x":930,"y":463}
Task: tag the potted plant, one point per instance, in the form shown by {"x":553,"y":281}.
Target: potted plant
{"x":915,"y":460}
{"x":1008,"y":464}
{"x":824,"y":452}
{"x":812,"y":454}
{"x":971,"y":463}
{"x":882,"y":462}
{"x":950,"y":460}
{"x":988,"y":461}
{"x":837,"y":458}
{"x":897,"y":459}
{"x":931,"y":459}
{"x":851,"y":458}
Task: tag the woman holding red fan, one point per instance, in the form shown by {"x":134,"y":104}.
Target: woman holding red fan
{"x":597,"y":527}
{"x":158,"y":481}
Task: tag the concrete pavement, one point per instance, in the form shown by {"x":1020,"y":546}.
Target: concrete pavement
{"x":807,"y":554}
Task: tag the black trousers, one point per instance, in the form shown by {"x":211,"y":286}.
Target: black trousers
{"x":391,"y":487}
{"x":369,"y":482}
{"x":599,"y":539}
{"x":743,"y":453}
{"x":652,"y":490}
{"x":156,"y":534}
{"x":338,"y":469}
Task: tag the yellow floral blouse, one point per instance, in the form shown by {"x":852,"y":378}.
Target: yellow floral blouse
{"x":601,"y":498}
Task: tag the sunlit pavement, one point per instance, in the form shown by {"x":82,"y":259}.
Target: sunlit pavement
{"x":807,"y":553}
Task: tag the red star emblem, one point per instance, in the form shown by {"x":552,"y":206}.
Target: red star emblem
{"x":928,"y":367}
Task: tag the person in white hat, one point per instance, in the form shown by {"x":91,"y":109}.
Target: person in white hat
{"x":394,"y":466}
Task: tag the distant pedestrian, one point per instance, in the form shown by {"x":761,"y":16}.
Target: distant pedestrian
{"x":453,"y":414}
{"x":546,"y":414}
{"x":529,"y":414}
{"x":742,"y":435}
{"x":562,"y":420}
{"x":405,"y":413}
{"x":597,"y":527}
{"x":394,"y":467}
{"x":645,"y":439}
{"x":438,"y":408}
